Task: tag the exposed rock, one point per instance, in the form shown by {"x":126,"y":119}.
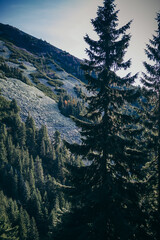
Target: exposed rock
{"x":43,"y":109}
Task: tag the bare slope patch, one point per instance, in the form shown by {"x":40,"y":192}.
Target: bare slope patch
{"x":43,"y":109}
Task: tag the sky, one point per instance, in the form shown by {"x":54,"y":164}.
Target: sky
{"x":64,"y":23}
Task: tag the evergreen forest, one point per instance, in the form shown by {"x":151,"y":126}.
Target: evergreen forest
{"x":105,"y":187}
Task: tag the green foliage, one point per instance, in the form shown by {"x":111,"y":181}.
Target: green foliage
{"x":32,"y":171}
{"x":71,"y":107}
{"x":55,"y":83}
{"x":7,"y":232}
{"x":22,"y":66}
{"x":8,"y":229}
{"x":46,"y":90}
{"x":151,"y":81}
{"x":14,"y":73}
{"x":35,"y":77}
{"x":78,"y":91}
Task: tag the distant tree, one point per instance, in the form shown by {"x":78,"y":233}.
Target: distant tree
{"x":33,"y":234}
{"x":32,"y":180}
{"x":57,"y":140}
{"x":13,"y":211}
{"x":14,"y":106}
{"x":30,"y":135}
{"x":24,"y":224}
{"x":15,"y":185}
{"x":10,"y":149}
{"x":42,"y":141}
{"x":3,"y":132}
{"x":22,"y":135}
{"x":39,"y":175}
{"x":3,"y":153}
{"x":36,"y":208}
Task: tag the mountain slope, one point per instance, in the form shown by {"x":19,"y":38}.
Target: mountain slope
{"x":43,"y":109}
{"x":38,"y":83}
{"x":37,"y":46}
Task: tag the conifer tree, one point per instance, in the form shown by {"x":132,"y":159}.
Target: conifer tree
{"x":39,"y":173}
{"x":14,"y":107}
{"x":106,"y":195}
{"x":3,"y":153}
{"x":30,"y":134}
{"x":10,"y":149}
{"x":57,"y":140}
{"x":15,"y":185}
{"x":33,"y":235}
{"x":151,"y":81}
{"x":24,"y":224}
{"x":22,"y":135}
{"x":32,"y":180}
{"x":13,"y":211}
{"x":3,"y":132}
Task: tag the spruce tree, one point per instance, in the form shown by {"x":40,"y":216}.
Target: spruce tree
{"x":10,"y":149}
{"x":39,"y":174}
{"x":14,"y":107}
{"x":33,"y":235}
{"x":105,"y":202}
{"x":151,"y":81}
{"x":57,"y":140}
{"x":30,"y":135}
{"x":24,"y":224}
{"x":22,"y":135}
{"x":3,"y":153}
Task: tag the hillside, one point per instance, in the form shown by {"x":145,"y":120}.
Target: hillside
{"x":33,"y":157}
{"x":30,"y":73}
{"x":41,"y":48}
{"x":32,"y":174}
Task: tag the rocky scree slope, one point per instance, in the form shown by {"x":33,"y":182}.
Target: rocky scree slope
{"x":37,"y":88}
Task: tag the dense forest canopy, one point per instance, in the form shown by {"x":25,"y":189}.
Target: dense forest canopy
{"x":108,"y":185}
{"x":32,"y":173}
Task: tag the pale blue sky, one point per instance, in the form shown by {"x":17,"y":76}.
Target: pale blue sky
{"x":64,"y":23}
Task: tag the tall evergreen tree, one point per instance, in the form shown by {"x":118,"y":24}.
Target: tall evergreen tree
{"x":39,"y":173}
{"x":22,"y":135}
{"x":24,"y":224}
{"x":30,"y":134}
{"x":34,"y":235}
{"x":3,"y":153}
{"x":14,"y":106}
{"x":106,"y":200}
{"x":57,"y":140}
{"x":151,"y":80}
